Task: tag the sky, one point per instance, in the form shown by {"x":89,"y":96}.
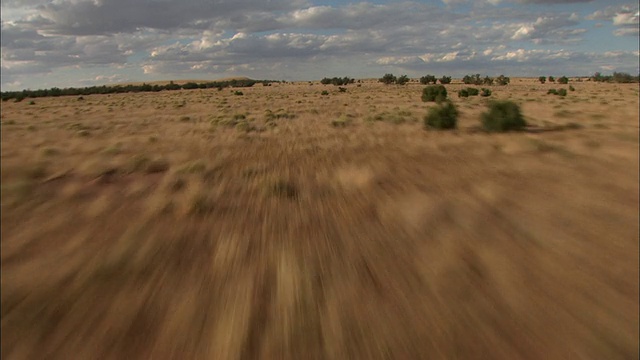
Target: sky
{"x":63,"y":43}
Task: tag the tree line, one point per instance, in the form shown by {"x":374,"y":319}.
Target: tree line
{"x":120,"y":89}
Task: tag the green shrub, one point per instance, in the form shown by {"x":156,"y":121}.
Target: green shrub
{"x":552,"y":79}
{"x":542,"y":79}
{"x":324,"y":92}
{"x":487,"y":80}
{"x":503,"y":116}
{"x":402,"y":80}
{"x":445,"y":80}
{"x":485,"y":92}
{"x":443,"y":116}
{"x":552,"y":91}
{"x":435,"y":93}
{"x":563,"y":80}
{"x":473,"y":91}
{"x":428,"y":79}
{"x":562,"y":92}
{"x":463,"y":93}
{"x":503,"y":80}
{"x":388,"y":79}
{"x":571,"y":88}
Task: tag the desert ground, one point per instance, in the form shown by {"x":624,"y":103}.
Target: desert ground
{"x":286,"y":224}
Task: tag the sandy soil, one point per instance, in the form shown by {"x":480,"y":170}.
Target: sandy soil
{"x":199,"y":225}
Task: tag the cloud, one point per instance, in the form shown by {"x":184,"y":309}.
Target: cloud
{"x":296,"y":39}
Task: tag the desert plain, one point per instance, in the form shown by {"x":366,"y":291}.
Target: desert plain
{"x":287,"y":224}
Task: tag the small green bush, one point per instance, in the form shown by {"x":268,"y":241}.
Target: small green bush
{"x":473,"y":91}
{"x":402,"y":80}
{"x":435,"y":93}
{"x":563,"y":80}
{"x":571,"y":88}
{"x":503,"y":116}
{"x":463,"y":93}
{"x":324,"y":93}
{"x":443,"y":117}
{"x":542,"y":79}
{"x":562,"y":92}
{"x":485,"y":92}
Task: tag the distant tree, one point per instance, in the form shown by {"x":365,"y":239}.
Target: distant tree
{"x":428,"y":79}
{"x":402,"y":80}
{"x":472,"y":79}
{"x":388,"y":79}
{"x":487,"y":81}
{"x":542,"y":79}
{"x":563,"y":80}
{"x":503,"y":80}
{"x":552,"y":79}
{"x":445,"y":80}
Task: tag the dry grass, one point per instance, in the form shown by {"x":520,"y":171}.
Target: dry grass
{"x":284,"y":224}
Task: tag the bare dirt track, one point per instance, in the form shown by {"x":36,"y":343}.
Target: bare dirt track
{"x":198,"y":225}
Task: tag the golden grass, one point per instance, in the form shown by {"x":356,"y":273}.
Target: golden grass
{"x":284,"y":224}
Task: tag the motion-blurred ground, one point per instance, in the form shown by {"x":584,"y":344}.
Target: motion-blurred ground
{"x":197,"y":225}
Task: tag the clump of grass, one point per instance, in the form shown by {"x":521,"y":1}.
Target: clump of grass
{"x":157,"y":166}
{"x":393,"y":117}
{"x":201,"y":205}
{"x":442,"y":117}
{"x":324,"y":93}
{"x":342,"y":121}
{"x":50,"y":151}
{"x":503,"y":116}
{"x":282,"y":188}
{"x":238,"y":93}
{"x":563,"y":113}
{"x":112,"y":150}
{"x":485,"y":92}
{"x":245,"y":126}
{"x":194,"y":167}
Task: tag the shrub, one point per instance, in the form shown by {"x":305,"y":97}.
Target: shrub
{"x":503,"y":116}
{"x":552,"y":79}
{"x":542,"y":79}
{"x":563,"y":80}
{"x":473,"y":91}
{"x":562,"y":92}
{"x":445,"y":80}
{"x":503,"y":80}
{"x":388,"y":79}
{"x":341,"y":89}
{"x":485,"y":92}
{"x":435,"y":93}
{"x":402,"y":80}
{"x":472,"y":79}
{"x":238,"y":93}
{"x":443,"y":116}
{"x":552,"y":91}
{"x":428,"y":79}
{"x":324,"y":92}
{"x":571,"y":88}
{"x":487,"y":80}
{"x":463,"y":93}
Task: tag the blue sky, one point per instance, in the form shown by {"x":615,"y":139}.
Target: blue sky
{"x":62,"y":43}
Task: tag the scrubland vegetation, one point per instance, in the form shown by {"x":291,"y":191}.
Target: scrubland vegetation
{"x":396,"y":219}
